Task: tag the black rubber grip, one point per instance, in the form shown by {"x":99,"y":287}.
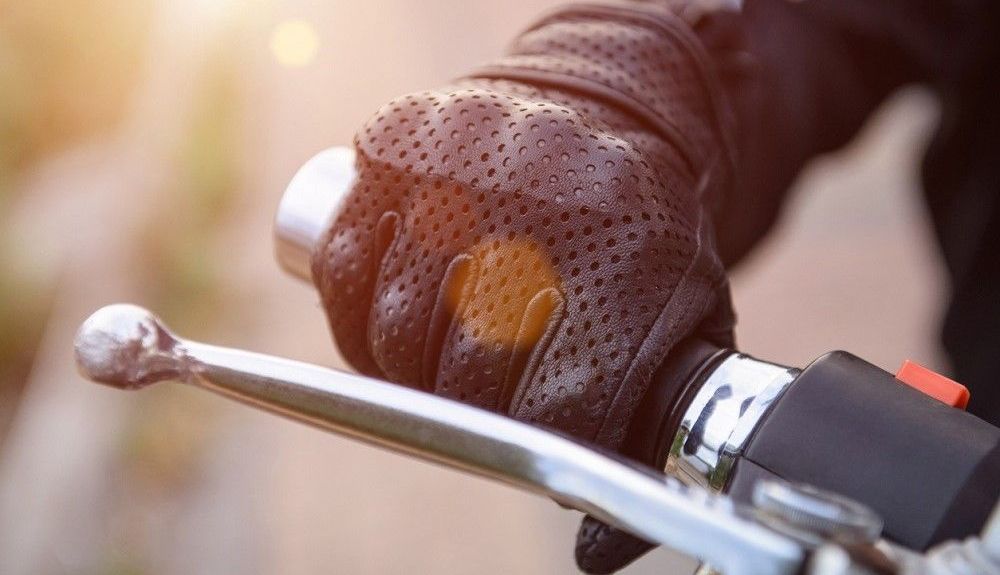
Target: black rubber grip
{"x":931,"y":471}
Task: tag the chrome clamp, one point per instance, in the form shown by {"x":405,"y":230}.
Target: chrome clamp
{"x":723,"y":416}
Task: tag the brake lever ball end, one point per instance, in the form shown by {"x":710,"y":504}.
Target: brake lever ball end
{"x":127,"y":347}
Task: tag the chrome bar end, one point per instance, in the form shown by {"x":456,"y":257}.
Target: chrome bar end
{"x":308,"y":206}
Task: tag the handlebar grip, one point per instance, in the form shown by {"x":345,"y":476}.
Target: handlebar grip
{"x":931,"y":471}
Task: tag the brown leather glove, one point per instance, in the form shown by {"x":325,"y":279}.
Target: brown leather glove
{"x":533,"y":239}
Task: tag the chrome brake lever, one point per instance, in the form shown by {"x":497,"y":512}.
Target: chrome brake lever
{"x":127,"y":347}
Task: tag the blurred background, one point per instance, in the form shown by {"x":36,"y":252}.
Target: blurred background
{"x":144,"y":145}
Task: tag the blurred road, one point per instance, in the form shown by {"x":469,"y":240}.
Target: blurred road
{"x":852,"y":266}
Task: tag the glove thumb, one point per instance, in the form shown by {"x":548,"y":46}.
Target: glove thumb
{"x":602,"y":549}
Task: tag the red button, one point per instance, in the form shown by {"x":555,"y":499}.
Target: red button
{"x":933,"y":384}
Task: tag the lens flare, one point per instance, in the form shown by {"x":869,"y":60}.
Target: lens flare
{"x":294,"y":43}
{"x":511,"y":273}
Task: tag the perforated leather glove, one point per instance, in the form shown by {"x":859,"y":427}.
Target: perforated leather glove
{"x":533,"y":239}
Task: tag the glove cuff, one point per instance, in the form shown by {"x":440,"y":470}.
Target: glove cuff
{"x":641,"y":58}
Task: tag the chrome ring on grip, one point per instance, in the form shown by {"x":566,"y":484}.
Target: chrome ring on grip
{"x":723,"y":416}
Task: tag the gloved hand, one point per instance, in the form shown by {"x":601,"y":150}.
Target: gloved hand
{"x":533,"y":239}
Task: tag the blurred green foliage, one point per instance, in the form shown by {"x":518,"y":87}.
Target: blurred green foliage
{"x":164,"y":445}
{"x":168,"y":440}
{"x":181,"y":269}
{"x":122,"y":563}
{"x":67,"y":70}
{"x":24,"y":307}
{"x":181,"y":274}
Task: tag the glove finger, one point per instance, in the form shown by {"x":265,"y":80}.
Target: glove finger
{"x":346,"y":265}
{"x":398,"y":192}
{"x":600,"y":362}
{"x":503,"y":316}
{"x":412,"y":284}
{"x":602,"y":549}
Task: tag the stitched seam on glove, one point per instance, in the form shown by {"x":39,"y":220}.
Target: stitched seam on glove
{"x":592,"y":88}
{"x":646,"y":355}
{"x":675,"y":28}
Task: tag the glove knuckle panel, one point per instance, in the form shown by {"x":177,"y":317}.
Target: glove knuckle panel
{"x":506,"y":176}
